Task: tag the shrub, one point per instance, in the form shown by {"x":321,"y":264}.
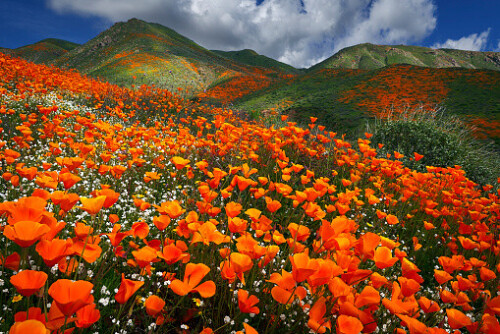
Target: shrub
{"x":443,"y":140}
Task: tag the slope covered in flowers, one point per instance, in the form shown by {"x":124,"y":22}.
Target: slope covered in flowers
{"x":134,"y":210}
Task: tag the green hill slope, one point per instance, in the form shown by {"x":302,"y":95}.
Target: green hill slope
{"x":369,"y":56}
{"x":252,"y":58}
{"x":344,"y":99}
{"x":44,"y":51}
{"x":146,"y":53}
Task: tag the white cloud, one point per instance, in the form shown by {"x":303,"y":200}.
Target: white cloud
{"x":281,"y":29}
{"x":473,"y":42}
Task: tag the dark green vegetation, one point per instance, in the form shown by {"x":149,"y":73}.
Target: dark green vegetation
{"x":369,"y":56}
{"x":444,"y":141}
{"x":252,"y":58}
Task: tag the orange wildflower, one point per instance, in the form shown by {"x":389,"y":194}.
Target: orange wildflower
{"x":28,"y":282}
{"x":25,"y":233}
{"x":180,"y":162}
{"x":383,"y":257}
{"x":316,"y":321}
{"x":272,"y":205}
{"x":29,"y":326}
{"x":192,"y":277}
{"x":92,"y":205}
{"x":173,"y":209}
{"x":349,"y":325}
{"x":233,"y":209}
{"x":457,"y":319}
{"x":70,"y":296}
{"x":87,"y":316}
{"x":302,"y":266}
{"x":247,"y":303}
{"x":154,"y":305}
{"x":127,"y":289}
{"x":392,"y":220}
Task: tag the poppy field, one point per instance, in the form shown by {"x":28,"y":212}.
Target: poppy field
{"x":136,"y":211}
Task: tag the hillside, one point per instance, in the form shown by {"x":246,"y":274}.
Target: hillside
{"x":44,"y":51}
{"x":369,"y":56}
{"x":252,"y":58}
{"x":344,"y":99}
{"x":146,"y":53}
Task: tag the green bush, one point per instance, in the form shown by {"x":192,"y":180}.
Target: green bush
{"x":443,"y":140}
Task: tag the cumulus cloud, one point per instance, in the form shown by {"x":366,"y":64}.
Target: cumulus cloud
{"x":298,"y":32}
{"x":473,"y":42}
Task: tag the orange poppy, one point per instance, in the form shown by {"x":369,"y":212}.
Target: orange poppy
{"x":272,"y":205}
{"x":233,"y":209}
{"x":28,"y":282}
{"x":25,"y":233}
{"x":69,"y":179}
{"x":154,"y":305}
{"x":247,"y":303}
{"x":392,"y":220}
{"x":127,"y":289}
{"x":70,"y":296}
{"x":173,"y":209}
{"x":111,"y":195}
{"x":457,"y":319}
{"x":171,"y":254}
{"x":349,"y":325}
{"x":413,"y":324}
{"x":180,"y":162}
{"x":161,"y":222}
{"x":192,"y":277}
{"x":303,"y":266}
{"x":383,"y":257}
{"x":29,"y":326}
{"x":92,"y":205}
{"x":87,"y":316}
{"x":316,"y":321}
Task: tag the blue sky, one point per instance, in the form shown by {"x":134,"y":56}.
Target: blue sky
{"x":298,"y":32}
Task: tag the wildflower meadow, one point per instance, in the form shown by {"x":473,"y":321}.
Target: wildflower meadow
{"x":137,"y":211}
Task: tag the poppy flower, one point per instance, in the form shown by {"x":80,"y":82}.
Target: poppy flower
{"x":392,"y":220}
{"x":92,"y":205}
{"x":52,"y":251}
{"x":192,"y":277}
{"x":180,"y":162}
{"x":303,"y":266}
{"x":171,"y":254}
{"x":29,"y":326}
{"x":247,"y":303}
{"x":161,"y":222}
{"x":87,"y":316}
{"x":272,"y":205}
{"x":413,"y":324}
{"x":316,"y":321}
{"x":171,"y":208}
{"x":154,"y":305}
{"x":233,"y":209}
{"x":70,"y":296}
{"x":111,"y":196}
{"x":28,"y":282}
{"x":25,"y":233}
{"x":457,"y":319}
{"x":127,"y":289}
{"x":383,"y":257}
